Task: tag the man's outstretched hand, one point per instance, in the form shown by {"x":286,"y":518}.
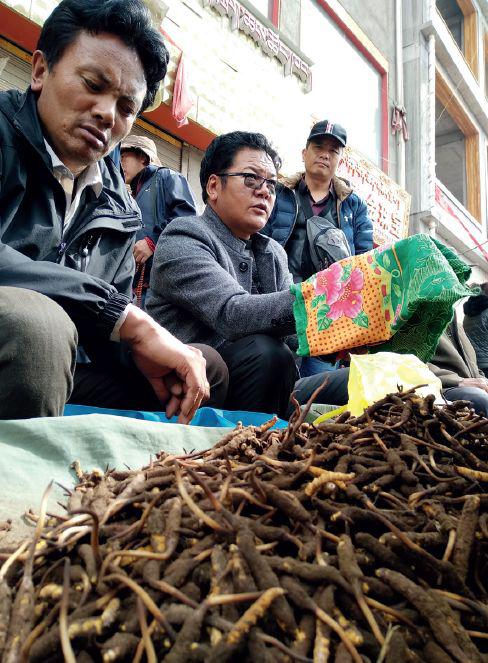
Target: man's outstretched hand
{"x":175,"y":371}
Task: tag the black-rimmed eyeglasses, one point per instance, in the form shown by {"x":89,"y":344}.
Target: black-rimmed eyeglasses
{"x":253,"y":181}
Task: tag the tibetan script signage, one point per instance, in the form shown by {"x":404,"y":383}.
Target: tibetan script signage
{"x":388,"y":204}
{"x":268,"y":40}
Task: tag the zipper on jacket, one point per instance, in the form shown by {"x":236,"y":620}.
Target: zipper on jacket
{"x":296,"y":214}
{"x":61,"y":249}
{"x":65,"y":245}
{"x":85,"y":250}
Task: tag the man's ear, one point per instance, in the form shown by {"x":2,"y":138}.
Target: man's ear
{"x":213,"y":187}
{"x":39,"y":71}
{"x":303,"y":153}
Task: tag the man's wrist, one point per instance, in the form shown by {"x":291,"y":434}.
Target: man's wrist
{"x":111,"y":313}
{"x":136,"y":324}
{"x":115,"y":335}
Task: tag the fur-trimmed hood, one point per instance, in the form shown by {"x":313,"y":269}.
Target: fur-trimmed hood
{"x":342,"y":187}
{"x":352,"y":214}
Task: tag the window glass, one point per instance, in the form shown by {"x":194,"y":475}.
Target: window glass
{"x":453,"y":16}
{"x":262,"y":6}
{"x":290,"y":20}
{"x":346,"y":88}
{"x":450,"y":154}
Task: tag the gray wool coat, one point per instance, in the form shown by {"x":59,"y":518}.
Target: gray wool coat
{"x":201,"y":283}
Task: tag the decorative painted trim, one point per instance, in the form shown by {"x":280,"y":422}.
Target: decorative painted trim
{"x":267,"y":39}
{"x":275,"y":12}
{"x":155,"y":131}
{"x":18,"y":29}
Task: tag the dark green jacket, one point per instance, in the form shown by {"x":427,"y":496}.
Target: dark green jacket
{"x":88,"y":270}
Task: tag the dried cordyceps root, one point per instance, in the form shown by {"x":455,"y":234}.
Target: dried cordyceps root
{"x":362,"y":539}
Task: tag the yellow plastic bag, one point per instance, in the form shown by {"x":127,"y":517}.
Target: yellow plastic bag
{"x":373,"y":376}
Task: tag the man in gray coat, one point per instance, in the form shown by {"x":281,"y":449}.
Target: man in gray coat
{"x":217,"y":280}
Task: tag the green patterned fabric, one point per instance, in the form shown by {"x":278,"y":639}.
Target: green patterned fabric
{"x":397,"y":298}
{"x":433,"y":280}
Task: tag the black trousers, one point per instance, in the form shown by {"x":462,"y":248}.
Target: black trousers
{"x":263,"y":374}
{"x":38,"y":373}
{"x":125,"y":388}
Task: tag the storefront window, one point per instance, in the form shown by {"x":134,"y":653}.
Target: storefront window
{"x":486,"y":63}
{"x":458,"y":164}
{"x":263,"y":6}
{"x":356,"y":101}
{"x":290,"y":20}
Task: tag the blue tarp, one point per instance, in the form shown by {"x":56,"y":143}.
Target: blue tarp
{"x":205,"y":416}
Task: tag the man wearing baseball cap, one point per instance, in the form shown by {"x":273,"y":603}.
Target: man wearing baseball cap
{"x":162,"y":195}
{"x":317,"y":217}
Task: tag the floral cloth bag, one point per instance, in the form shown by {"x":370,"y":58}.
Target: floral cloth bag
{"x":396,"y":298}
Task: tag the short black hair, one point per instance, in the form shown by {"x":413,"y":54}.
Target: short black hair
{"x":128,"y":19}
{"x":221,"y":152}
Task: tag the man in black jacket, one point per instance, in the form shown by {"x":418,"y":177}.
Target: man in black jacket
{"x":67,"y":226}
{"x":161,"y":194}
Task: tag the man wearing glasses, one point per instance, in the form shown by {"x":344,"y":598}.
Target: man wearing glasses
{"x":217,"y":280}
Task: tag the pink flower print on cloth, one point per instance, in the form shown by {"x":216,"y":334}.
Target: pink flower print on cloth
{"x":328,"y":282}
{"x":349,"y":301}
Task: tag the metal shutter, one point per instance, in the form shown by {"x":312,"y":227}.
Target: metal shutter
{"x":168,"y":153}
{"x":14,"y":72}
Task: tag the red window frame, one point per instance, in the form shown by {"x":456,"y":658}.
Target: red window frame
{"x":274,"y":13}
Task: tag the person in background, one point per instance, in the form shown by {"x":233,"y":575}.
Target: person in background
{"x":217,"y":280}
{"x":454,"y":364}
{"x":475,"y":325}
{"x":161,"y":194}
{"x":317,"y":217}
{"x":68,"y":224}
